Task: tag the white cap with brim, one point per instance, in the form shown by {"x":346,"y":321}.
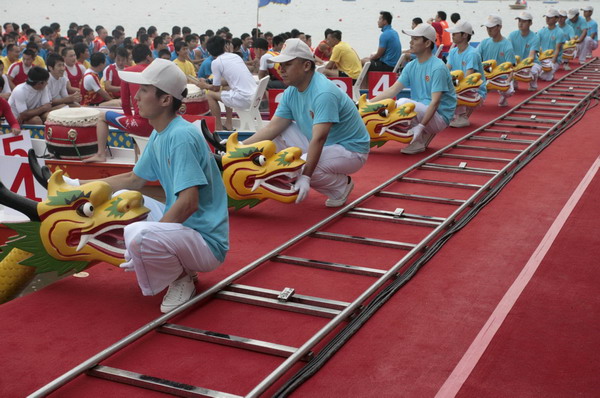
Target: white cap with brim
{"x":161,"y":74}
{"x":292,"y":49}
{"x":493,"y":20}
{"x":552,"y":13}
{"x":461,"y":27}
{"x":587,"y":8}
{"x":422,"y":30}
{"x":525,"y":16}
{"x":573,"y":12}
{"x":562,"y":13}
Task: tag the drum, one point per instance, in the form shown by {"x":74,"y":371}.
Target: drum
{"x":195,"y":103}
{"x":71,"y":133}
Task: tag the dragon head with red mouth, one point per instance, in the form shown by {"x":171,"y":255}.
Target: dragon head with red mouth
{"x":256,"y":172}
{"x":87,"y":223}
{"x":522,"y":70}
{"x":467,"y":88}
{"x":386,"y":121}
{"x":498,"y":77}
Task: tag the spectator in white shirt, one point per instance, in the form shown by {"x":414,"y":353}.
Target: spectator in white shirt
{"x":58,"y":83}
{"x":30,"y":102}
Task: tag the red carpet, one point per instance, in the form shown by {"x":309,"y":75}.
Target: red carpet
{"x":407,"y":349}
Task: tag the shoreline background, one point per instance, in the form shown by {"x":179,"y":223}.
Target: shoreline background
{"x":356,"y":19}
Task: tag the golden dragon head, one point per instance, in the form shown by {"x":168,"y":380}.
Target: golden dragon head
{"x":522,"y":71}
{"x":385,"y":121}
{"x":87,"y":223}
{"x":255,"y":172}
{"x":467,"y":88}
{"x":546,"y":60}
{"x":569,"y":49}
{"x":498,"y":77}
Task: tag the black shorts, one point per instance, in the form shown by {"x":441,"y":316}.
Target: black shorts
{"x":378,"y":66}
{"x":342,"y":74}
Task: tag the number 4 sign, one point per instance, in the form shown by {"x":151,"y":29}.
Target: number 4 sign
{"x":380,"y":81}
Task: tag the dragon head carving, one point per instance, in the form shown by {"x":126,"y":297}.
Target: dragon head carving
{"x":467,"y":88}
{"x":385,"y":121}
{"x":546,"y":60}
{"x":255,"y":172}
{"x":498,"y":77}
{"x":569,"y":49}
{"x":522,"y":71}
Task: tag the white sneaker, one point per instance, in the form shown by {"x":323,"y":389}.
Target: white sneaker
{"x":460,"y":121}
{"x":180,"y":291}
{"x":503,"y":101}
{"x":418,"y":144}
{"x":566,"y":67}
{"x":341,"y":201}
{"x":533,"y":86}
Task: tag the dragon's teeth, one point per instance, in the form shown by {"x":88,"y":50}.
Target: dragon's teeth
{"x":83,"y":241}
{"x":256,"y":185}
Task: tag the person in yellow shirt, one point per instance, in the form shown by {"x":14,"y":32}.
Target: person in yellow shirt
{"x":37,"y":61}
{"x":344,"y":61}
{"x":182,"y":60}
{"x":12,"y":55}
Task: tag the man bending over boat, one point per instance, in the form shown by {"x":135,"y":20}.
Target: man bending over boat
{"x":431,"y":89}
{"x":315,"y":116}
{"x":191,"y":232}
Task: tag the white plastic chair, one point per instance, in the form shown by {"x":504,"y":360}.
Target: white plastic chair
{"x":250,"y":119}
{"x":398,"y":64}
{"x":438,"y":51}
{"x":361,"y":77}
{"x":320,"y":68}
{"x":141,"y":143}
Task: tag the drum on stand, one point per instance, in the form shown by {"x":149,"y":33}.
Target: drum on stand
{"x":70,"y":133}
{"x":195,"y":103}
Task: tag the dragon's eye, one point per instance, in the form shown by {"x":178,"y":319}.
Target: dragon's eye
{"x":86,"y":210}
{"x":259,"y":160}
{"x":455,"y":82}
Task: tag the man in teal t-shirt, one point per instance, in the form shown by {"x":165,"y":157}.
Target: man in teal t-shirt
{"x":431,"y":89}
{"x":580,"y":27}
{"x":192,"y":233}
{"x":465,"y":58}
{"x":316,"y":116}
{"x":499,"y":48}
{"x":568,"y":34}
{"x":551,"y":38}
{"x":526,"y":44}
{"x":591,"y":39}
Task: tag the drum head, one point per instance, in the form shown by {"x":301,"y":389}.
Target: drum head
{"x":76,"y":117}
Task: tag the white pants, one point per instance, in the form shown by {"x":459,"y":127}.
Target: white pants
{"x":435,"y":125}
{"x":160,"y":252}
{"x":336,"y":162}
{"x":508,"y":93}
{"x":547,"y":76}
{"x":536,"y":71}
{"x":467,"y":110}
{"x":585,"y":48}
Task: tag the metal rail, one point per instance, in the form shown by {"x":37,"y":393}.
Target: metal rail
{"x":342,"y":311}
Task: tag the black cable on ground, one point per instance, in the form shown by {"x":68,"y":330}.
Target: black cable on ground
{"x":356,"y":323}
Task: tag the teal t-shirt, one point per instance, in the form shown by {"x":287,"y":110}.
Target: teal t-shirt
{"x":324,"y":102}
{"x":522,"y":46}
{"x":568,"y":34}
{"x":550,"y":38}
{"x":431,"y":76}
{"x":578,"y":26}
{"x":501,"y":51}
{"x":592,"y":28}
{"x":179,"y":158}
{"x":468,"y":59}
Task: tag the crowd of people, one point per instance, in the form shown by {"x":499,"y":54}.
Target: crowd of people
{"x":148,"y":77}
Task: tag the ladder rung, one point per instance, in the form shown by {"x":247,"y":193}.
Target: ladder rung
{"x":488,"y":130}
{"x":473,"y":157}
{"x":507,"y":140}
{"x":539,"y":113}
{"x":296,"y":298}
{"x":228,"y":340}
{"x":352,"y":269}
{"x":155,"y":383}
{"x":552,"y":104}
{"x":364,"y":241}
{"x":421,"y":198}
{"x":487,"y":148}
{"x":558,"y":112}
{"x":280,"y":305}
{"x":440,"y":183}
{"x":392,"y":218}
{"x":562,"y":90}
{"x":458,"y":169}
{"x":391,"y":213}
{"x":520,"y":126}
{"x":572,"y":103}
{"x":528,"y":119}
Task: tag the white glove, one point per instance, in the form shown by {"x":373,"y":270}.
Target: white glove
{"x":302,"y":186}
{"x":72,"y":181}
{"x":127,"y":266}
{"x":417,"y":130}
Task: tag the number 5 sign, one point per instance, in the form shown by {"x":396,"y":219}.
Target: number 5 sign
{"x":380,"y":81}
{"x":15,"y":172}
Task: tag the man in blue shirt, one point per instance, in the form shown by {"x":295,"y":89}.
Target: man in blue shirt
{"x":431,"y":89}
{"x":499,"y":48}
{"x":568,"y":33}
{"x":465,"y":58}
{"x":389,"y":49}
{"x":192,"y":234}
{"x":317,"y":117}
{"x":551,"y":38}
{"x":526,"y":44}
{"x":580,"y":27}
{"x":591,"y":39}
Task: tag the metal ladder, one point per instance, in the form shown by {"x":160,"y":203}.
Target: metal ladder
{"x":487,"y":154}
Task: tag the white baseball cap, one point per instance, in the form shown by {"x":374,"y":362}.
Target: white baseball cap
{"x":422,"y":30}
{"x":162,"y":74}
{"x":587,"y":8}
{"x":525,"y":16}
{"x":493,"y":20}
{"x":461,"y":27}
{"x":292,"y":49}
{"x":573,"y":12}
{"x":552,"y":12}
{"x":563,"y":13}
